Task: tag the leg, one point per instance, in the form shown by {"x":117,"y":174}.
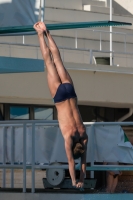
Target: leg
{"x":52,"y":74}
{"x":114,"y":185}
{"x":63,"y":74}
{"x":110,"y":179}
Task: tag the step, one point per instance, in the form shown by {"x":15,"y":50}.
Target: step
{"x":69,"y":4}
{"x":97,"y":9}
{"x":93,"y":3}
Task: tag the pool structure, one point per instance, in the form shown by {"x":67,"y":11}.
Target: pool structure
{"x":64,"y":196}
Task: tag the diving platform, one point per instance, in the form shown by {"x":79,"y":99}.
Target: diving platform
{"x":56,"y":195}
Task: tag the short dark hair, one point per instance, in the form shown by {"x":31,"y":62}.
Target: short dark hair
{"x":77,"y":150}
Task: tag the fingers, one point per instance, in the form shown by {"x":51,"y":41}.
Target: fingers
{"x":40,"y":25}
{"x":80,"y":185}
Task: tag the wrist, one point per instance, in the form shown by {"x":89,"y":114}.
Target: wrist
{"x":41,"y":34}
{"x":81,"y":179}
{"x":74,"y":182}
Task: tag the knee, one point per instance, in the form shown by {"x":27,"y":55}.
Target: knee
{"x":46,"y":54}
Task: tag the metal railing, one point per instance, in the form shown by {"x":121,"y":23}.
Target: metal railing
{"x":121,"y":59}
{"x":33,"y":166}
{"x":101,"y":37}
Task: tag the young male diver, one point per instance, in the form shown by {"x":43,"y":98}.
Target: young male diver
{"x":62,"y":91}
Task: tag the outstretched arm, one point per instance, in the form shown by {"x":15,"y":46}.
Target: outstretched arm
{"x":43,"y":46}
{"x":62,"y":72}
{"x":80,"y":184}
{"x":51,"y":42}
{"x":71,"y":162}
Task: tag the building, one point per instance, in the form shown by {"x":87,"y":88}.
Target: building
{"x":104,"y":92}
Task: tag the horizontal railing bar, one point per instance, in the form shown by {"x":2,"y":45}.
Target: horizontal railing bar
{"x":28,"y":125}
{"x":75,"y":49}
{"x":119,"y":33}
{"x":108,"y":123}
{"x":102,"y":168}
{"x":8,"y":166}
{"x":114,"y":52}
{"x":29,"y":122}
{"x":50,"y":123}
{"x":37,"y":46}
{"x":102,"y":31}
{"x":88,"y":168}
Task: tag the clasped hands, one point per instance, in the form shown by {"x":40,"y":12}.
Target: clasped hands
{"x":40,"y":27}
{"x":79,"y":185}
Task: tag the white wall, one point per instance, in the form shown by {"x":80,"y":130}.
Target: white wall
{"x":98,"y":86}
{"x":65,"y":4}
{"x":123,"y":7}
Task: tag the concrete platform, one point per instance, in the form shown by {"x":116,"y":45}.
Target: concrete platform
{"x":97,"y":9}
{"x":95,"y":3}
{"x":63,"y":196}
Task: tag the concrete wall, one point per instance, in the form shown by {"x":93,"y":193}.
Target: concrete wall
{"x":105,"y":86}
{"x":74,"y":56}
{"x":69,"y":4}
{"x":32,"y":87}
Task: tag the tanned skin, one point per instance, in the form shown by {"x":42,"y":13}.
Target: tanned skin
{"x":69,"y":118}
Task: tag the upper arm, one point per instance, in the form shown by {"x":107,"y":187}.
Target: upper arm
{"x":84,"y":143}
{"x":68,"y":147}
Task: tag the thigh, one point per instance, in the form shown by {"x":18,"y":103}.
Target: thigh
{"x":63,"y":73}
{"x":53,"y":78}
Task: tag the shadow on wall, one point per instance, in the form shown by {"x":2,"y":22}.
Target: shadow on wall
{"x":18,"y":13}
{"x":118,"y":9}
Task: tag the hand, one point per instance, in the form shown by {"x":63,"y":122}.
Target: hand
{"x":74,"y":183}
{"x":80,"y":185}
{"x":42,"y":26}
{"x":39,"y":27}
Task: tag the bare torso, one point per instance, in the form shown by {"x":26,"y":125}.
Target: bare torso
{"x":69,"y":118}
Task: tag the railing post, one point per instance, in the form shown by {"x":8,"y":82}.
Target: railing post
{"x":91,"y":56}
{"x":23,"y":39}
{"x":111,"y":29}
{"x":100,"y":41}
{"x":92,"y":149}
{"x":37,"y":52}
{"x":125,"y":44}
{"x":76,"y":42}
{"x":33,"y":157}
{"x":112,"y":58}
{"x":24,"y":157}
{"x":4,"y":156}
{"x":12,"y":156}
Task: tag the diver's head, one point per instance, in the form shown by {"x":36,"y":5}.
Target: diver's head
{"x":77,"y":150}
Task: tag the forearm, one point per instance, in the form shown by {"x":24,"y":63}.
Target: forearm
{"x":83,"y":167}
{"x":51,"y":42}
{"x":82,"y":172}
{"x":72,"y":171}
{"x":43,"y":46}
